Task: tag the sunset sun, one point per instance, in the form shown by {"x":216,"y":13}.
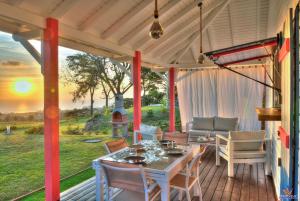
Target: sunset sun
{"x":23,"y":86}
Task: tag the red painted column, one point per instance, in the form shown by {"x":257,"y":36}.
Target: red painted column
{"x":51,"y":110}
{"x":137,"y":113}
{"x":172,"y":100}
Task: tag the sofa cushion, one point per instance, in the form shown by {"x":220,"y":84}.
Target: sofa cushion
{"x":247,"y":135}
{"x":150,"y":132}
{"x":225,"y":124}
{"x":203,"y":123}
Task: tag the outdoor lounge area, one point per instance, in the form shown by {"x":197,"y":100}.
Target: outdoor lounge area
{"x":229,"y":72}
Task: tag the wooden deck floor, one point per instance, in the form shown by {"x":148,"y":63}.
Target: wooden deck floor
{"x":249,"y":184}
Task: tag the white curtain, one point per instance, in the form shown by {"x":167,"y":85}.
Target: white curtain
{"x":209,"y":93}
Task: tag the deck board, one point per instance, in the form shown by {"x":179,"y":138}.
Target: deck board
{"x":249,"y":183}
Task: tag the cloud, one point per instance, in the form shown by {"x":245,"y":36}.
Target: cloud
{"x":11,"y":63}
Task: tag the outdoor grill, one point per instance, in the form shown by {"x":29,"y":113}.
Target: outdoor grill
{"x":119,"y":118}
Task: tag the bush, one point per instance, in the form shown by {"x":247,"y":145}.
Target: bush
{"x":130,"y":126}
{"x":35,"y":130}
{"x":128,"y":103}
{"x":150,"y":113}
{"x":107,"y":111}
{"x":73,"y":131}
{"x":153,"y":97}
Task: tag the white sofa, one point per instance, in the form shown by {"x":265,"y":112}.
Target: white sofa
{"x":204,"y":126}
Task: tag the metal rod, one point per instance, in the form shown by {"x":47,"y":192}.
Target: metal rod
{"x":260,"y":82}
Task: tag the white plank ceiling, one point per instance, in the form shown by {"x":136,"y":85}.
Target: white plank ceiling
{"x":117,"y":28}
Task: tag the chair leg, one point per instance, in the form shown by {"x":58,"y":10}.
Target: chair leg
{"x":200,"y":191}
{"x":230,"y":169}
{"x":188,"y":196}
{"x":180,"y":195}
{"x":217,"y":157}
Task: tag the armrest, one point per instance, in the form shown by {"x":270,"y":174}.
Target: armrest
{"x":189,"y":125}
{"x":250,"y":140}
{"x":222,"y":137}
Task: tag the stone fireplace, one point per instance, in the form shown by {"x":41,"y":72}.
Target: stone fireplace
{"x":119,"y":118}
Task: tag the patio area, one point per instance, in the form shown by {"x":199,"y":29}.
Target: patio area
{"x":250,"y":184}
{"x":241,"y":87}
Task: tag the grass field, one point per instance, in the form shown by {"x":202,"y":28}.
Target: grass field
{"x":22,"y":154}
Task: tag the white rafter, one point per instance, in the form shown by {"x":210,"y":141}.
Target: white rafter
{"x":62,"y":7}
{"x":136,"y":30}
{"x":230,"y":24}
{"x":169,"y":22}
{"x":194,"y":53}
{"x":209,"y":19}
{"x":14,"y":2}
{"x":180,"y":32}
{"x":28,"y":35}
{"x":96,"y":14}
{"x":122,"y":21}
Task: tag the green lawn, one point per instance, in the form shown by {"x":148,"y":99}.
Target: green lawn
{"x":22,"y":155}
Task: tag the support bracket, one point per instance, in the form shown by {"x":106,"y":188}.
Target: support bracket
{"x":34,"y":53}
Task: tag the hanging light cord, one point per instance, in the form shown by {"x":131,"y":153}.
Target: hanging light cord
{"x":200,"y":6}
{"x":156,"y":10}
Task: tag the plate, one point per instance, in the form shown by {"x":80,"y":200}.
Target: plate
{"x":175,"y":151}
{"x":135,"y":159}
{"x":136,"y":146}
{"x":166,"y":142}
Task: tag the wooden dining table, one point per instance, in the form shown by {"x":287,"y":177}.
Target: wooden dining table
{"x":158,"y":166}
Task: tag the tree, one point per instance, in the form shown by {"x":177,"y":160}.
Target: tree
{"x":106,"y":91}
{"x":89,"y":72}
{"x":150,"y":81}
{"x":84,"y":74}
{"x":112,"y":75}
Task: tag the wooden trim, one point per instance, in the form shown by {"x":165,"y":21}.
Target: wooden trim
{"x":285,"y":49}
{"x":284,"y":137}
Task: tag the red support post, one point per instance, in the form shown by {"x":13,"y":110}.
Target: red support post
{"x":51,"y":110}
{"x":172,"y":100}
{"x":137,"y":113}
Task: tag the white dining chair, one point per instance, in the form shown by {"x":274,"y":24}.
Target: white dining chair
{"x":131,"y":179}
{"x":185,"y":182}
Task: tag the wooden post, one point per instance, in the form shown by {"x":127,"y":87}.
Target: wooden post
{"x":172,"y":100}
{"x":136,"y":71}
{"x":51,"y":110}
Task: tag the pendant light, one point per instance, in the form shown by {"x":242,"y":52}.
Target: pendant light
{"x":201,"y":55}
{"x":156,"y":30}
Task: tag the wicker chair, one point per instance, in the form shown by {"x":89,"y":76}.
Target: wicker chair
{"x":184,"y":182}
{"x":131,"y":179}
{"x":116,"y":145}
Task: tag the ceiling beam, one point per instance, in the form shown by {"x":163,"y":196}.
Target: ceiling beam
{"x":230,"y":25}
{"x":180,"y":32}
{"x":169,"y":22}
{"x":62,"y":7}
{"x":96,"y":14}
{"x":28,"y":35}
{"x":194,"y":53}
{"x":122,"y":21}
{"x":209,"y":19}
{"x":136,"y":30}
{"x":209,"y":39}
{"x":14,"y":2}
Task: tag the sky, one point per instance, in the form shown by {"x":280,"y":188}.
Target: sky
{"x":21,"y":81}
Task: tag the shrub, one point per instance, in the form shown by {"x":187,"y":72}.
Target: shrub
{"x":73,"y":131}
{"x":150,"y":113}
{"x":128,"y":103}
{"x":153,"y":97}
{"x":35,"y":130}
{"x":130,"y":126}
